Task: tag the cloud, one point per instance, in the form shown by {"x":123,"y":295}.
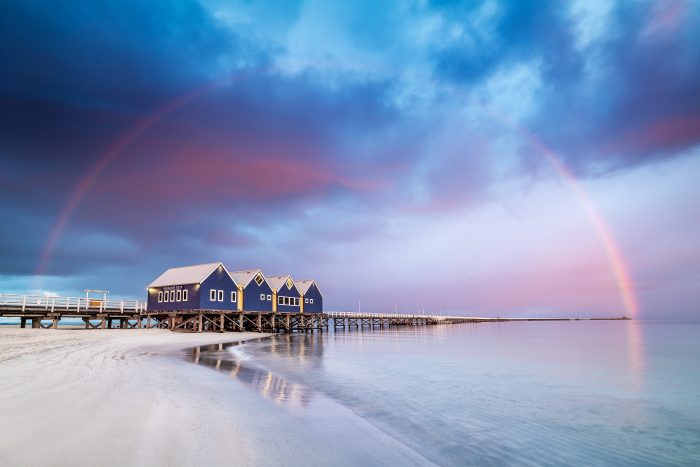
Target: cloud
{"x":301,"y":134}
{"x":601,"y":91}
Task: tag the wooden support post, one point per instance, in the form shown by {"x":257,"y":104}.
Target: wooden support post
{"x":240,"y":321}
{"x":36,"y":323}
{"x":199,"y":323}
{"x":286,"y":324}
{"x":259,"y":322}
{"x":23,"y":323}
{"x":54,"y":322}
{"x":221,"y":323}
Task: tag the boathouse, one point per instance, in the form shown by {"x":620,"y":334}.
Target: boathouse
{"x":200,"y":287}
{"x":311,"y":298}
{"x":285,"y":295}
{"x":254,"y":291}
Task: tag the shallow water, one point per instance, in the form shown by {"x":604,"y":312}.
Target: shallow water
{"x":533,"y":393}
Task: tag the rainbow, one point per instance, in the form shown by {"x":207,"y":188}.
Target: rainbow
{"x":112,"y":152}
{"x":612,"y":251}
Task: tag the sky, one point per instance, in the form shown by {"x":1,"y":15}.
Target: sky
{"x":479,"y":157}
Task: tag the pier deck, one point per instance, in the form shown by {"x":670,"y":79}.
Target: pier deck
{"x":46,"y":312}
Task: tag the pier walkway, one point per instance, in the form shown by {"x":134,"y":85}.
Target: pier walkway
{"x":96,"y":313}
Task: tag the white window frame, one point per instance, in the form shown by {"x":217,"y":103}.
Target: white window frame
{"x":172,"y":296}
{"x":166,"y":296}
{"x":280,"y":300}
{"x":262,"y":296}
{"x":311,"y":301}
{"x":259,"y":276}
{"x":220,"y":295}
{"x":179,"y":295}
{"x":269,"y":297}
{"x":306,"y":300}
{"x":160,"y":297}
{"x":234,"y":296}
{"x":185,"y":293}
{"x":212,"y":295}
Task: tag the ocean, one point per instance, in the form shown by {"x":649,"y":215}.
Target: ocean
{"x":516,"y":393}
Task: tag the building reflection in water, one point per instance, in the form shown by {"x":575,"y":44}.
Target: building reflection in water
{"x":303,"y":350}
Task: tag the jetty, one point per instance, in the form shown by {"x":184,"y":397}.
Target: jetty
{"x":102,"y":313}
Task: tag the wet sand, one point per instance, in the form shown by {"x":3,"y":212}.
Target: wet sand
{"x":125,"y":397}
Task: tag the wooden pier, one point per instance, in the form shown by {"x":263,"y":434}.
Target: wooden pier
{"x":46,"y":312}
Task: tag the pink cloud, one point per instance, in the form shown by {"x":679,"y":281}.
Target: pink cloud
{"x":662,"y":134}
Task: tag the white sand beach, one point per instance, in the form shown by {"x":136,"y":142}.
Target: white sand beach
{"x":79,"y":397}
{"x":118,"y":397}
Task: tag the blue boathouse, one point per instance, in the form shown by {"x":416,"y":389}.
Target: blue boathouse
{"x":285,"y":295}
{"x":311,"y":298}
{"x":254,"y":291}
{"x":200,"y":287}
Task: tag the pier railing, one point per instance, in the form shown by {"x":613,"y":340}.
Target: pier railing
{"x":30,"y":303}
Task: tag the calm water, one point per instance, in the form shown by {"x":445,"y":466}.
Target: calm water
{"x":569,"y":393}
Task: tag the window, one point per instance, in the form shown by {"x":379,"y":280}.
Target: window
{"x":306,"y":300}
{"x":233,"y":297}
{"x":184,"y":295}
{"x":296,"y":302}
{"x":172,"y":295}
{"x":166,"y":297}
{"x":212,"y":295}
{"x":221,"y":295}
{"x":179,"y":295}
{"x":262,"y":296}
{"x":311,"y":301}
{"x":289,"y":283}
{"x":160,"y":296}
{"x":269,"y":297}
{"x":259,"y":279}
{"x":280,"y":300}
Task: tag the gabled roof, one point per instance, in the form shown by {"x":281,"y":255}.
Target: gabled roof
{"x":243,"y":278}
{"x":277,"y":282}
{"x":186,"y":275}
{"x":304,"y":285}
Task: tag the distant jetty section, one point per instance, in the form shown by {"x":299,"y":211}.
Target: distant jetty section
{"x":101,"y":313}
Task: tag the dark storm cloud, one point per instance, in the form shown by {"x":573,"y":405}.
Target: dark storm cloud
{"x":629,"y":99}
{"x":74,"y":73}
{"x":248,"y":149}
{"x":521,"y":30}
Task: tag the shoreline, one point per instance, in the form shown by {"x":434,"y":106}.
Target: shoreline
{"x":126,"y":397}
